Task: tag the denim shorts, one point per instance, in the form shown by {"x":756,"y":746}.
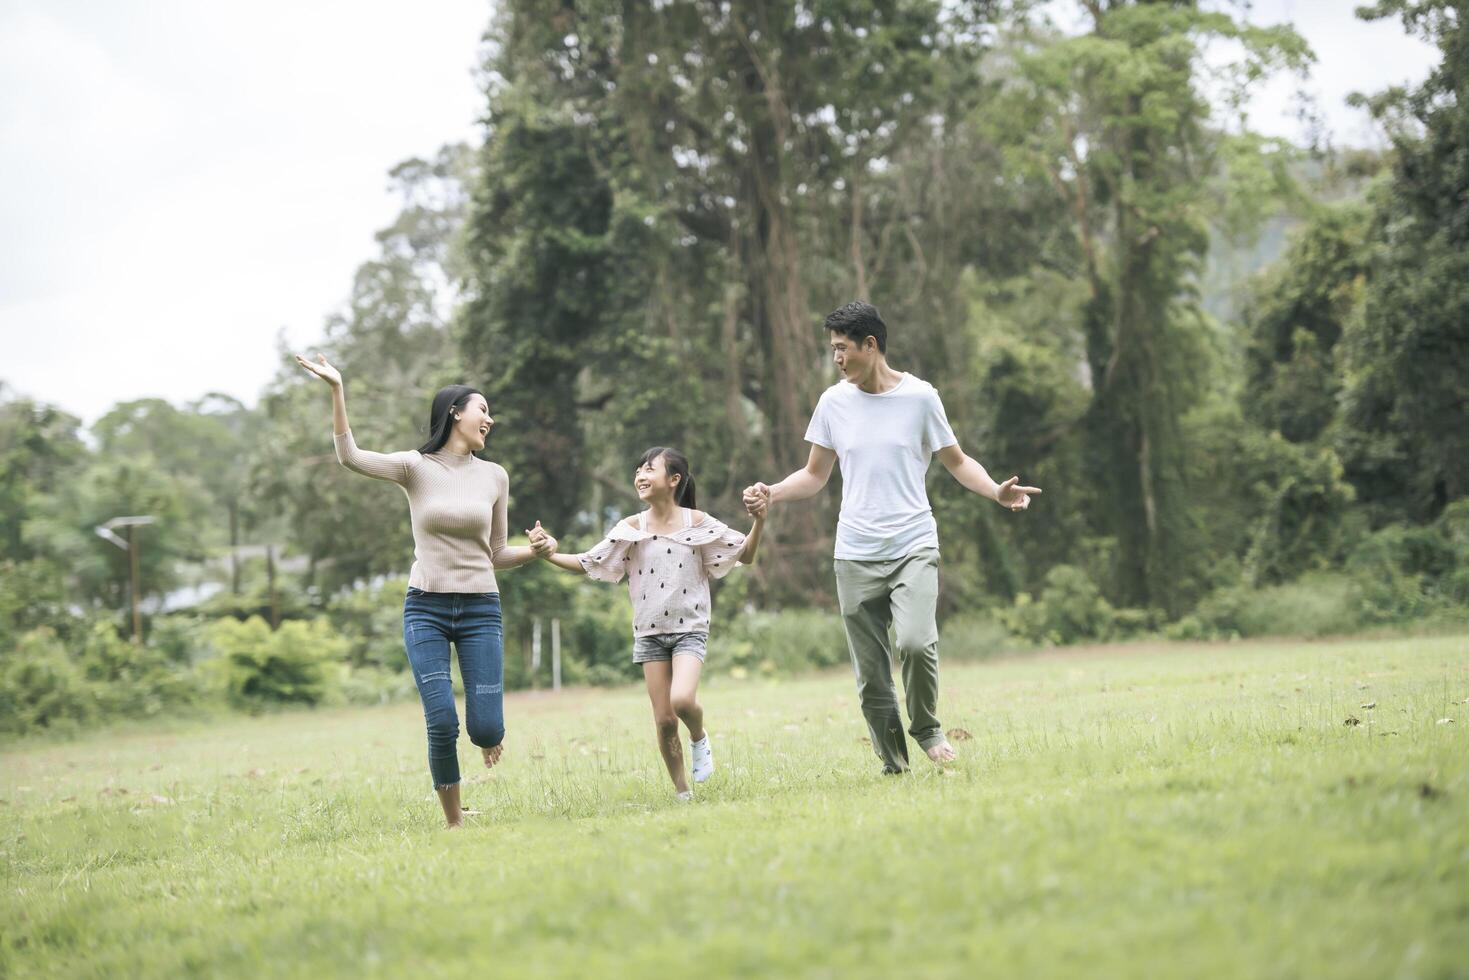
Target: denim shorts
{"x":666,"y":646}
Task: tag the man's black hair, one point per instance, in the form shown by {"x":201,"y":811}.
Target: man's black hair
{"x":859,"y":321}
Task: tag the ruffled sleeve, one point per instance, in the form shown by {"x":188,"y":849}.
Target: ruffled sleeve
{"x":718,"y":546}
{"x":609,"y":560}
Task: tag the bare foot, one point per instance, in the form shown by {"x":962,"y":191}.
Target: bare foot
{"x":942,"y":752}
{"x":492,"y":755}
{"x":455,"y":824}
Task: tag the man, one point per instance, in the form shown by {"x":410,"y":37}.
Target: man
{"x":883,"y":425}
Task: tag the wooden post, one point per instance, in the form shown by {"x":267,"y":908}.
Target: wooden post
{"x":535,"y":648}
{"x":275,"y":600}
{"x":555,"y":654}
{"x":134,"y":576}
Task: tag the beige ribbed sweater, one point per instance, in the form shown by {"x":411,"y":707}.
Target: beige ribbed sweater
{"x":458,"y":508}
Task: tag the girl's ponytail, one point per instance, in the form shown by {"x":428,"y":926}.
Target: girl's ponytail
{"x":686,"y":492}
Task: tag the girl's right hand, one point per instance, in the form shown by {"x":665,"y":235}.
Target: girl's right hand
{"x":321,"y":369}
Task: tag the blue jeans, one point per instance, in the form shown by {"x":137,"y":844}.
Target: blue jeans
{"x":431,"y":621}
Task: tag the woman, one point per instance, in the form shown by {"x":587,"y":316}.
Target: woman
{"x":457,"y":503}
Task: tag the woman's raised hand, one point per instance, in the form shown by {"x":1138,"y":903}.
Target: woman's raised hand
{"x":541,"y":542}
{"x":321,"y":369}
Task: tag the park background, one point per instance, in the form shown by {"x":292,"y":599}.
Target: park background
{"x":1209,"y":693}
{"x":1235,"y":362}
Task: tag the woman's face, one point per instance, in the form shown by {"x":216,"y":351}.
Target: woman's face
{"x":474,"y":422}
{"x":652,"y":482}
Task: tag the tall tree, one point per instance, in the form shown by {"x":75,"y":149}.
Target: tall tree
{"x":395,"y":347}
{"x":1118,"y":120}
{"x":1406,"y":432}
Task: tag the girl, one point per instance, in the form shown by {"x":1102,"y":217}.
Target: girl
{"x":457,"y":503}
{"x":669,"y":553}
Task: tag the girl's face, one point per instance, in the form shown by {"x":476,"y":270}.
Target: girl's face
{"x":474,"y":422}
{"x":652,"y":481}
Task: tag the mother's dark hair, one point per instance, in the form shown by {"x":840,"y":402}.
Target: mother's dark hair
{"x":441,"y":414}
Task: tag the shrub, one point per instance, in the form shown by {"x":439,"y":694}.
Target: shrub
{"x":785,"y":642}
{"x":370,"y":620}
{"x":42,"y":686}
{"x":1071,"y":610}
{"x":129,"y":679}
{"x":973,"y":636}
{"x":264,"y":668}
{"x":1315,"y":605}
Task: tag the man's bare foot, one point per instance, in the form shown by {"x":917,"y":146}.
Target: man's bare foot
{"x":492,"y":755}
{"x":942,"y":752}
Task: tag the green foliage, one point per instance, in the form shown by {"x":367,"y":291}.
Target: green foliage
{"x":33,"y":593}
{"x":394,"y":348}
{"x":1407,"y":420}
{"x":287,"y":666}
{"x":776,"y":644}
{"x":370,"y":620}
{"x":1319,"y":604}
{"x":131,"y":680}
{"x":1070,"y":609}
{"x":42,"y":686}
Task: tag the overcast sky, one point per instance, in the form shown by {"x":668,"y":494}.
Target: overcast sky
{"x":182,"y":181}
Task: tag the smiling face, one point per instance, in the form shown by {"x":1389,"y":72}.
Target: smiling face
{"x":474,"y":422}
{"x":653,"y":482}
{"x":853,"y":359}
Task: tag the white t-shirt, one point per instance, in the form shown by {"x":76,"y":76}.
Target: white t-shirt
{"x":883,"y":444}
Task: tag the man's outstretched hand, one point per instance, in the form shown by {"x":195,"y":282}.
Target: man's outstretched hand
{"x":1014,"y":497}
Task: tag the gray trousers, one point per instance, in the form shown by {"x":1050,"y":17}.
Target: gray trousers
{"x":902,"y":593}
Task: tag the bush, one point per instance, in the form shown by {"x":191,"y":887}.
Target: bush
{"x":1071,"y":610}
{"x":42,"y":686}
{"x":1315,"y":605}
{"x":264,"y":668}
{"x":973,"y":636}
{"x":1407,"y":572}
{"x":372,"y":685}
{"x":771,"y":643}
{"x":370,"y":620}
{"x":179,"y":639}
{"x":130,"y":680}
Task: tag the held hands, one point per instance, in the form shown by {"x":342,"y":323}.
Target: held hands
{"x":1013,"y":497}
{"x":757,"y":500}
{"x":321,"y":369}
{"x":541,"y":542}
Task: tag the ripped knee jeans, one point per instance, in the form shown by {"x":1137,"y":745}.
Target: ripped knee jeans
{"x":471,"y":621}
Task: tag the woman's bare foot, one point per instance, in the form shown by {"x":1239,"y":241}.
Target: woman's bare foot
{"x":942,"y":752}
{"x":492,"y":755}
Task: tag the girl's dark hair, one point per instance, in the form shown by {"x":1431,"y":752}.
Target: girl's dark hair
{"x":441,"y":415}
{"x":677,"y":464}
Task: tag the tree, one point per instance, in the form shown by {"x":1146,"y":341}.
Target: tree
{"x":1117,"y":120}
{"x":1406,"y":432}
{"x":395,"y":348}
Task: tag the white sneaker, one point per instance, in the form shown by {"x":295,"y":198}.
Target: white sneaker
{"x":687,"y":796}
{"x":703,"y":759}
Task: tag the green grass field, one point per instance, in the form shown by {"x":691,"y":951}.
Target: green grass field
{"x":1160,"y":811}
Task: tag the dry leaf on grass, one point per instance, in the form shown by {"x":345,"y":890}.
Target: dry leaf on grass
{"x":959,"y":734}
{"x":1369,"y":705}
{"x":1352,"y":720}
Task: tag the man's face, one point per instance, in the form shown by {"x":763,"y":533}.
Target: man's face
{"x":853,"y":359}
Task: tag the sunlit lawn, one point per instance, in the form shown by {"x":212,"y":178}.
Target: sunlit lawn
{"x":1160,"y":811}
